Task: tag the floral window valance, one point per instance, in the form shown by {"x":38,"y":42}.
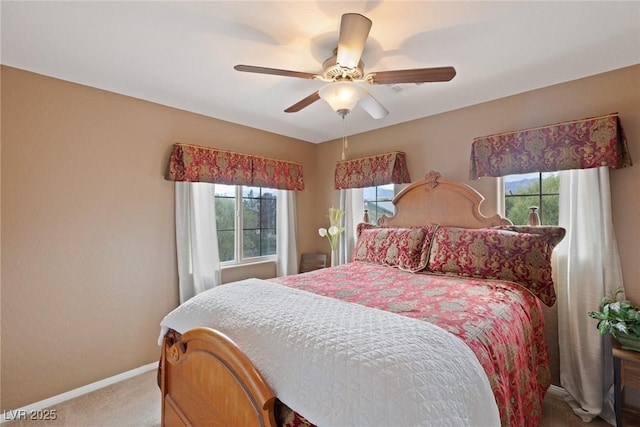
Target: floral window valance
{"x":272,"y":173}
{"x":388,"y":168}
{"x":193,"y":163}
{"x":577,"y":144}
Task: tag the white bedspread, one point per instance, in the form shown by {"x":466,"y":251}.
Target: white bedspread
{"x":343,"y":364}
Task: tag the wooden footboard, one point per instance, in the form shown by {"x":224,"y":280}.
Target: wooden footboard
{"x":207,"y":381}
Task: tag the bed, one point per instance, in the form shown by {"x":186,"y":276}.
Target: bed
{"x":436,"y":321}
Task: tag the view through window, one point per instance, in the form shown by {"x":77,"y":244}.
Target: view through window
{"x":246,"y":222}
{"x":532,"y":189}
{"x":378,"y":201}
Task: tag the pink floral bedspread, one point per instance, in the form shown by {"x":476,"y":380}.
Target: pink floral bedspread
{"x":501,"y":322}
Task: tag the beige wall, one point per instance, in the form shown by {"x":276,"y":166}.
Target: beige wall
{"x":0,"y":235}
{"x":88,"y":246}
{"x":87,"y":220}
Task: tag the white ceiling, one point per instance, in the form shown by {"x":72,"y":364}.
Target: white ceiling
{"x":182,"y":54}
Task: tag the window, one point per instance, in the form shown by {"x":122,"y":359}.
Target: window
{"x":378,"y":201}
{"x":246,"y":223}
{"x":532,"y":189}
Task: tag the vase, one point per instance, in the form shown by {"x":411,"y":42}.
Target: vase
{"x":534,"y":218}
{"x":365,"y":218}
{"x":334,"y":257}
{"x":628,"y":342}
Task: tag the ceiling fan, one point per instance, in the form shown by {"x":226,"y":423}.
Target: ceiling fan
{"x":345,"y":69}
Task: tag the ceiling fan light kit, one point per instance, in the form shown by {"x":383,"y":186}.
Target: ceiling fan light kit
{"x":342,"y":96}
{"x":344,"y":69}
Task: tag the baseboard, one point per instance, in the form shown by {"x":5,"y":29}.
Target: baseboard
{"x":23,"y":412}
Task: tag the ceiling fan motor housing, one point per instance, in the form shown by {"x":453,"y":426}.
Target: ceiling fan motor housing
{"x":331,"y":70}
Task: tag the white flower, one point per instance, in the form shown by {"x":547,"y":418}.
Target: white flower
{"x":333,"y":233}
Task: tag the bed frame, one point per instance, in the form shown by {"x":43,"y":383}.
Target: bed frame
{"x":207,"y":380}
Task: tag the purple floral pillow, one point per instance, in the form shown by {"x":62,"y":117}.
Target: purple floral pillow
{"x":553,"y":235}
{"x":506,"y":253}
{"x":405,"y":248}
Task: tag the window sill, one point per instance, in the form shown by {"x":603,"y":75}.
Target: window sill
{"x":247,"y":264}
{"x":263,"y":269}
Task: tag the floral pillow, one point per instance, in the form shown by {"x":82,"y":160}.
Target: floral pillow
{"x":508,"y":253}
{"x":405,"y":248}
{"x":553,"y":235}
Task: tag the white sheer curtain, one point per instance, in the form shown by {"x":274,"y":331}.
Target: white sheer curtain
{"x":286,"y":231}
{"x":588,"y":268}
{"x":352,"y":203}
{"x":196,"y":238}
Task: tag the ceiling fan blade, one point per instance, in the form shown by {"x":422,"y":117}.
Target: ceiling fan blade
{"x":354,"y":30}
{"x":418,"y":75}
{"x":373,"y":107}
{"x":275,"y":71}
{"x":303,"y":103}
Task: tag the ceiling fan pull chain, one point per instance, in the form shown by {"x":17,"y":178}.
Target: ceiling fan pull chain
{"x":345,"y":143}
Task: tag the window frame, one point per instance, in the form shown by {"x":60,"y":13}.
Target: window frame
{"x":238,"y":235}
{"x":540,"y":195}
{"x":377,"y":200}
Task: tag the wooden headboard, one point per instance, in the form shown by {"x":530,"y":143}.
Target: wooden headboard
{"x":439,"y":201}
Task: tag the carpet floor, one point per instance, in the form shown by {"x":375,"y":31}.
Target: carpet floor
{"x":135,"y":402}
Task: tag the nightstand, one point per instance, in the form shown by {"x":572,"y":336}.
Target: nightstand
{"x":626,"y":372}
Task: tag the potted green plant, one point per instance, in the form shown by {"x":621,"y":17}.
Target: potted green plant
{"x":621,"y":319}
